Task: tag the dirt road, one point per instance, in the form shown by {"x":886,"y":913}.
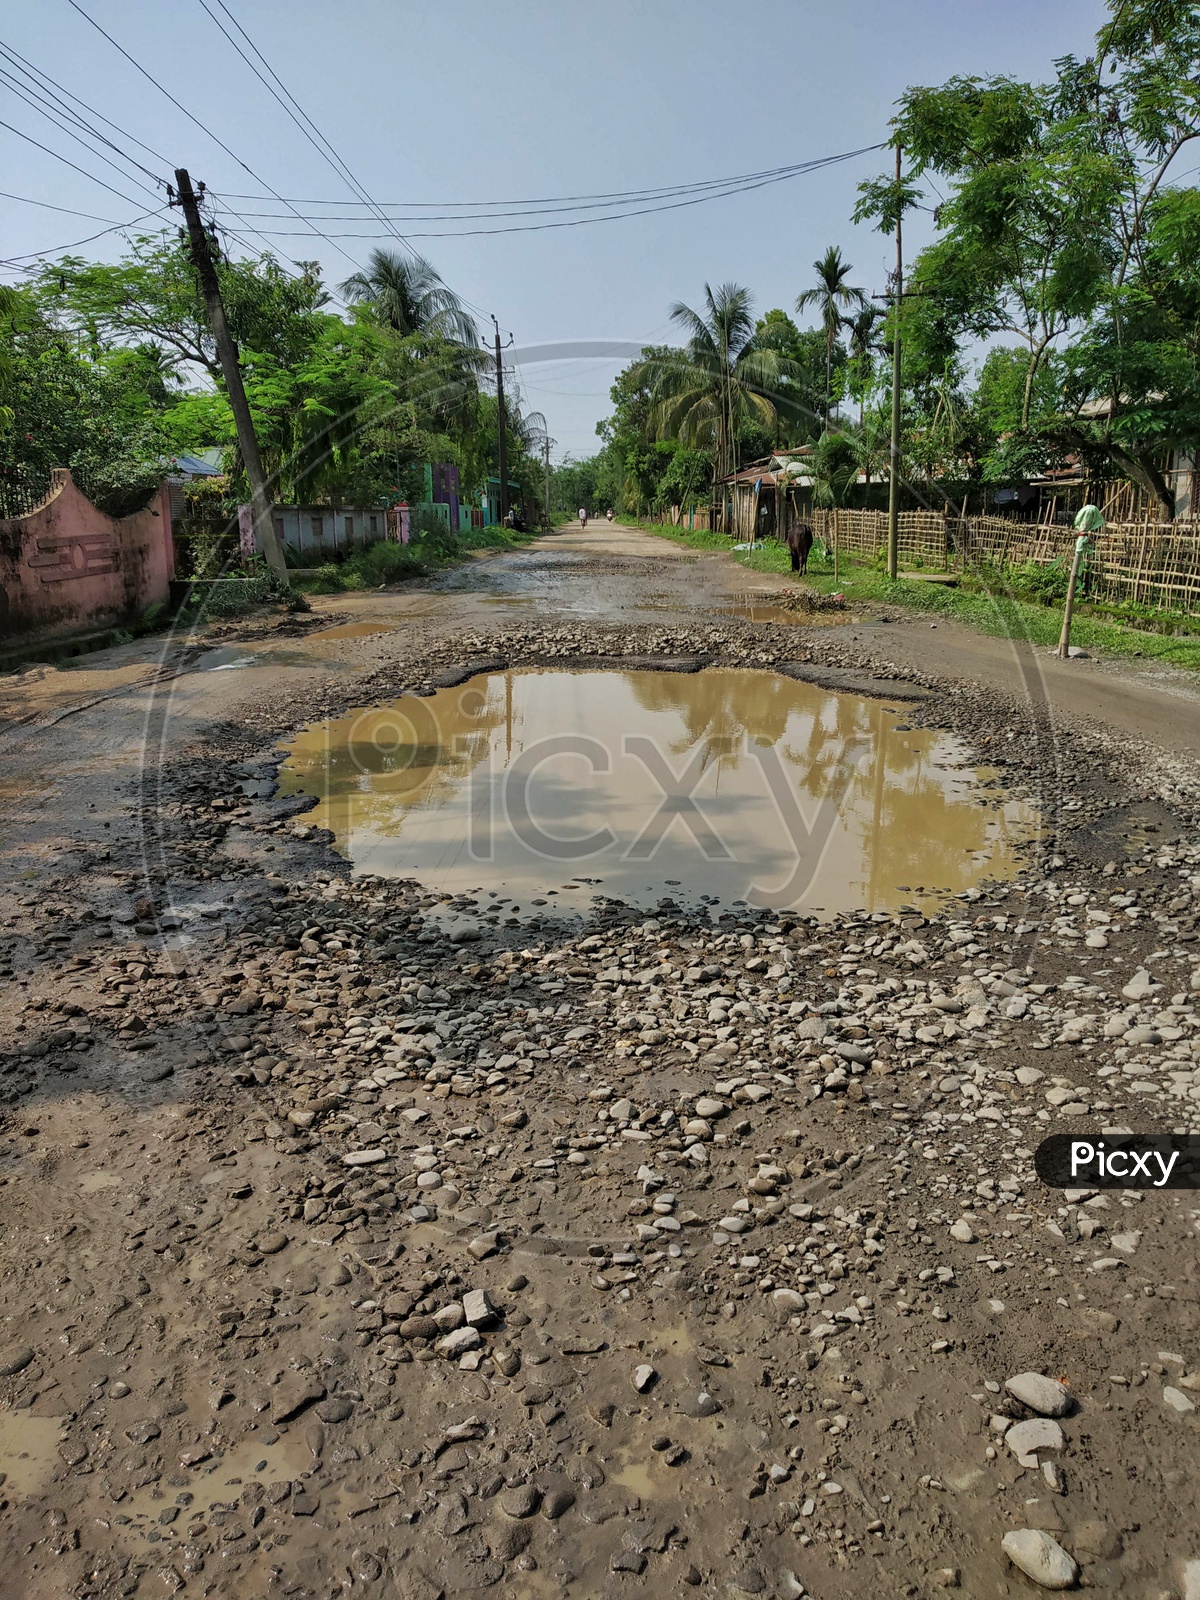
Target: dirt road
{"x":351,"y":1250}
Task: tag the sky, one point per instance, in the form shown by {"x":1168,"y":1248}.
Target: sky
{"x":471,"y":101}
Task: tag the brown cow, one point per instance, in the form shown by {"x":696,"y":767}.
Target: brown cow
{"x":800,"y":542}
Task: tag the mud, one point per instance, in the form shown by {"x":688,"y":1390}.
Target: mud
{"x":269,"y":1126}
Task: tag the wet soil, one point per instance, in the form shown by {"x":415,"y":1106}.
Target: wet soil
{"x":749,"y":1196}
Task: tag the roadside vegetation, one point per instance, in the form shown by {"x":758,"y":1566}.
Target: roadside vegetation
{"x":1003,"y":602}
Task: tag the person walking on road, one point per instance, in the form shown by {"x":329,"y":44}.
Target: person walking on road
{"x":583,"y":516}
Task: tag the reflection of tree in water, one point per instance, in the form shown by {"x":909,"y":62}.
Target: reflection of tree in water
{"x":908,"y":816}
{"x":916,"y":820}
{"x":720,"y":709}
{"x":382,"y":762}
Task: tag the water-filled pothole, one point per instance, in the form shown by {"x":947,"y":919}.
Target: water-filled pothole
{"x":537,"y":790}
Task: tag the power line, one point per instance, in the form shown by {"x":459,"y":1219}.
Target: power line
{"x":617,"y":196}
{"x":150,"y":78}
{"x":295,"y":111}
{"x":46,"y":148}
{"x":612,"y":216}
{"x":17,"y":58}
{"x":117,"y":227}
{"x":46,"y":206}
{"x":54,"y":116}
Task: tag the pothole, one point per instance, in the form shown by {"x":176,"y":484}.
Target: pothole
{"x":531,"y":792}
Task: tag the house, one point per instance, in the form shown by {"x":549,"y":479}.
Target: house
{"x":767,"y":497}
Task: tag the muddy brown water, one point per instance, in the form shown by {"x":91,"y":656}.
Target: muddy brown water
{"x":542,"y":789}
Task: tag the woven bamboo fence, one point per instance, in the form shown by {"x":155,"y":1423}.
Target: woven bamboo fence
{"x":1153,"y":564}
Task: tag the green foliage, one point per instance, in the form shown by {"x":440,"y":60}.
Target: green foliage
{"x":1065,"y":230}
{"x":68,"y":411}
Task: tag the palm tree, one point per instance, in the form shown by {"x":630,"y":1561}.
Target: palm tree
{"x":408,"y":295}
{"x":862,"y":329}
{"x":719,"y":380}
{"x":832,"y":296}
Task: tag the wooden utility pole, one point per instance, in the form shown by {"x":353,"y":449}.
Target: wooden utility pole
{"x":201,"y":252}
{"x":500,"y":414}
{"x":546,"y":443}
{"x":893,"y":539}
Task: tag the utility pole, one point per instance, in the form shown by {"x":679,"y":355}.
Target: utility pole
{"x":500,"y":412}
{"x":546,"y":443}
{"x":201,"y":252}
{"x":893,"y":541}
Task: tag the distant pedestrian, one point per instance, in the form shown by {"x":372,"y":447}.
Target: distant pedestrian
{"x":583,"y":516}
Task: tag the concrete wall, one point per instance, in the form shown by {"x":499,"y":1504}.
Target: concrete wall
{"x":67,"y":568}
{"x":318,"y":532}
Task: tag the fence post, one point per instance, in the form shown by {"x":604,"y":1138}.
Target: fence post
{"x":1064,"y":638}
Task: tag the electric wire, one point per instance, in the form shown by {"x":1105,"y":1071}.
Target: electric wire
{"x":613,"y":216}
{"x":46,"y":206}
{"x":16,"y":58}
{"x":117,"y":227}
{"x":616,"y":196}
{"x":220,"y":142}
{"x":28,"y":137}
{"x":55,"y":117}
{"x":296,"y":112}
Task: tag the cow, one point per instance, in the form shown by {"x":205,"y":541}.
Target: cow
{"x":800,"y":542}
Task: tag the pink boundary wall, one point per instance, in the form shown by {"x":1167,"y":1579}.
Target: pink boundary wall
{"x":67,"y":568}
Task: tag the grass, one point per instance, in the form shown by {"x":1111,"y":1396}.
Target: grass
{"x":387,"y":563}
{"x":988,"y":610}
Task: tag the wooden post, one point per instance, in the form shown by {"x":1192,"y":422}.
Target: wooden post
{"x":1064,"y":638}
{"x":835,"y":546}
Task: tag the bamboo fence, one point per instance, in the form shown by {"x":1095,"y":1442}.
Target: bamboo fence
{"x":1151,"y":564}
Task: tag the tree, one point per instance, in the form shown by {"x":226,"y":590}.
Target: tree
{"x":1065,"y":229}
{"x":152,"y":296}
{"x":720,"y":381}
{"x":408,"y":295}
{"x":832,"y":296}
{"x":801,"y":402}
{"x":865,"y":343}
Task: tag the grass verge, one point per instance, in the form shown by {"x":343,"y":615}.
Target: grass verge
{"x":991,"y":611}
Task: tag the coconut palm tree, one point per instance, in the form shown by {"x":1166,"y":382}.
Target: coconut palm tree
{"x":408,"y":295}
{"x":832,"y":296}
{"x":720,"y":379}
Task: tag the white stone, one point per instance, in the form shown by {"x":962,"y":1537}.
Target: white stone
{"x":1025,"y":1439}
{"x":1140,"y":986}
{"x":1046,"y":1396}
{"x":962,"y":1231}
{"x":1040,"y":1557}
{"x":643,"y":1377}
{"x":1177,"y":1400}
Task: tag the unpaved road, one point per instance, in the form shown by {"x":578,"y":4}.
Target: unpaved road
{"x":750,"y":1201}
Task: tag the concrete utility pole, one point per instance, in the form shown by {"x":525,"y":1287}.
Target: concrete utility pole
{"x":500,"y":412}
{"x":201,"y":251}
{"x":546,"y":443}
{"x":893,"y":541}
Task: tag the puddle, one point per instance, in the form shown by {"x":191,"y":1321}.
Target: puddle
{"x":28,"y":1447}
{"x":349,"y":630}
{"x":764,"y":612}
{"x":637,"y":1478}
{"x":93,"y":1182}
{"x":558,"y":787}
{"x":215,"y":1483}
{"x":762,"y":605}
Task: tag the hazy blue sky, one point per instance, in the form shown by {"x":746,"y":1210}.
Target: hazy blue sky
{"x":464,"y":101}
